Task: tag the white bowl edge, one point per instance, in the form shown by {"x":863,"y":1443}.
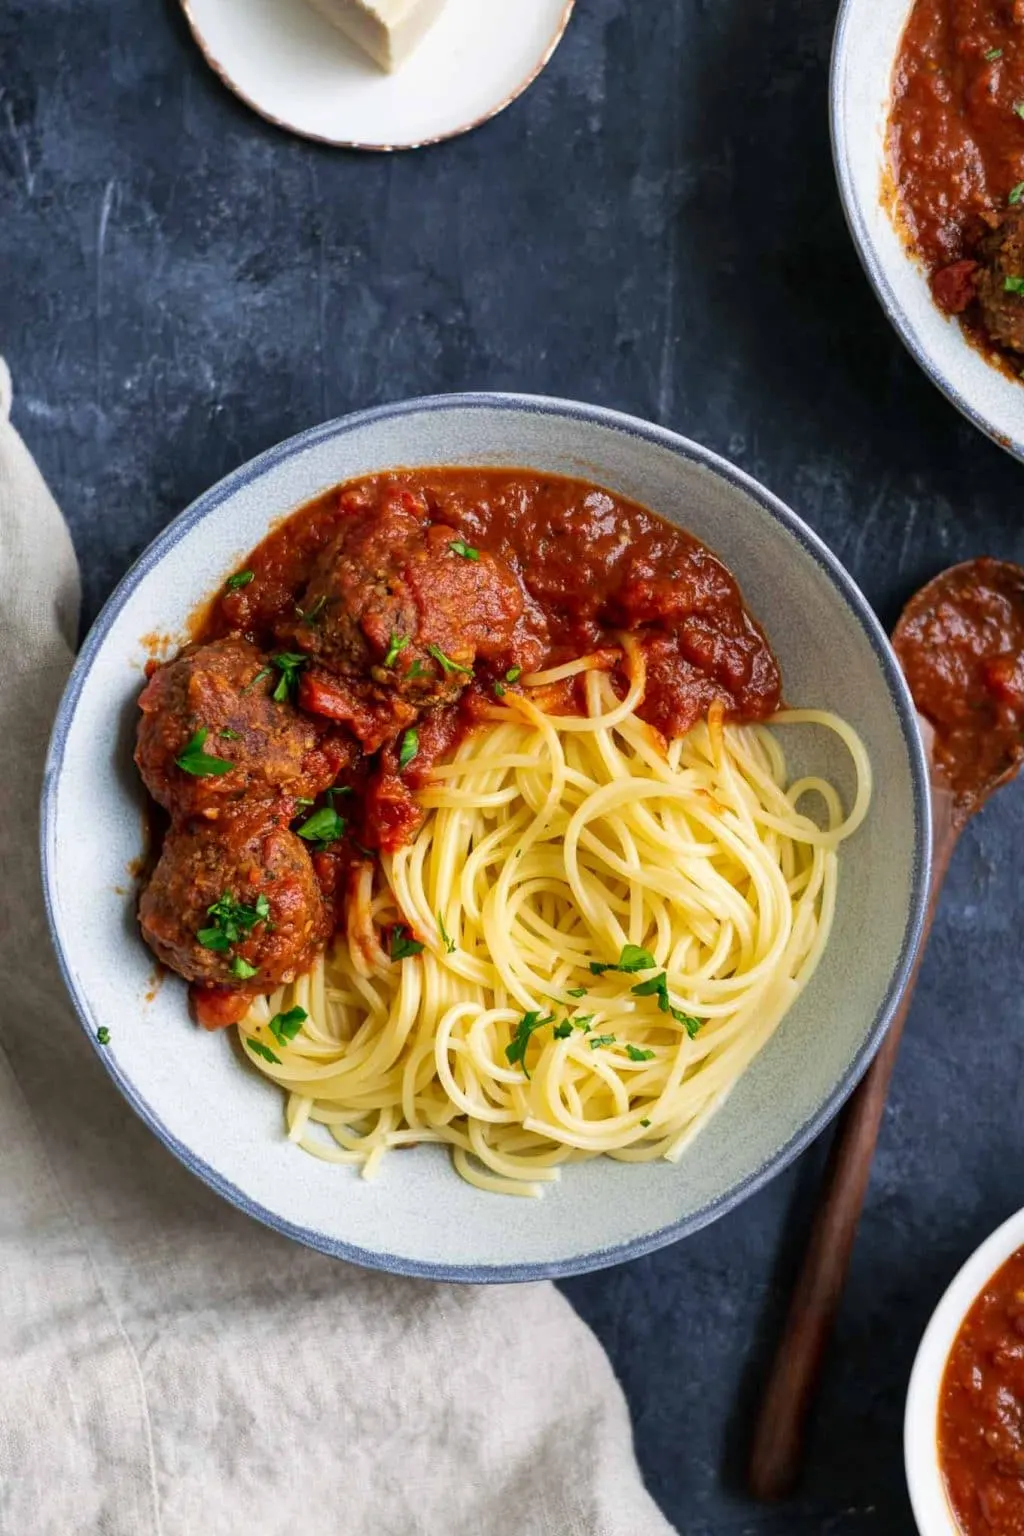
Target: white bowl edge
{"x":920,"y":1425}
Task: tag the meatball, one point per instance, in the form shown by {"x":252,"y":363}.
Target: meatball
{"x":235,"y":904}
{"x":396,"y":613}
{"x":225,"y":690}
{"x":1000,"y":280}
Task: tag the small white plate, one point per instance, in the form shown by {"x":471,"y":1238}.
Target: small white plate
{"x":296,"y":70}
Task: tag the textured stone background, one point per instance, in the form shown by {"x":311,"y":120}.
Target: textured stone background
{"x":654,"y":226}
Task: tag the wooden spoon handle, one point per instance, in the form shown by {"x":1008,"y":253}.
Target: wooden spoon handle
{"x":778,"y":1438}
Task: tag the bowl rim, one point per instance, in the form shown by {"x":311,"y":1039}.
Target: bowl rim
{"x":205,"y":505}
{"x":867,"y":252}
{"x":925,"y":1484}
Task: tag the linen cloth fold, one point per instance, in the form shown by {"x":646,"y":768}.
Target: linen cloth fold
{"x":168,"y":1366}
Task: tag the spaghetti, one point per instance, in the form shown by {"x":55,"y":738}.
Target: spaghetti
{"x":593,"y":933}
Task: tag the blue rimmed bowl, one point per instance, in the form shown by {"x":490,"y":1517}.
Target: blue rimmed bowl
{"x":225,"y":1122}
{"x":867,"y":40}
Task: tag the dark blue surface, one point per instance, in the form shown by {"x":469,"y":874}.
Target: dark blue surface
{"x":653,"y":227}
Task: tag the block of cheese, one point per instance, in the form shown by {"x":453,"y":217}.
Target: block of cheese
{"x":388,"y":30}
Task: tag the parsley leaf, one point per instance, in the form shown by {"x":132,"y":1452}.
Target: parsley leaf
{"x":1018,"y":107}
{"x":515,"y":1051}
{"x":230,"y":735}
{"x":499,"y":690}
{"x":577,"y":992}
{"x":239,"y":579}
{"x":992,"y":54}
{"x":654,"y":986}
{"x":242,"y":969}
{"x":103,"y":1035}
{"x":259,"y":1049}
{"x":192,"y":759}
{"x":311,"y":615}
{"x":583,"y":1021}
{"x":645,"y":1123}
{"x":445,"y":662}
{"x":513,"y":674}
{"x":690,"y":1024}
{"x":285,"y":1026}
{"x":231,"y":921}
{"x":1013,"y":284}
{"x":460,"y":547}
{"x":633,"y":958}
{"x":408,"y":748}
{"x":562,"y":1031}
{"x":402,"y":943}
{"x":289,"y":664}
{"x":260,"y":675}
{"x":397,"y":645}
{"x":636,"y":1054}
{"x":596,"y":1040}
{"x":324,"y":826}
{"x":449,"y":943}
{"x":1017,"y":193}
{"x":416,"y":670}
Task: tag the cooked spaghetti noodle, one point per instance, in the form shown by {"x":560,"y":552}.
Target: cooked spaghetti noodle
{"x":611,"y":929}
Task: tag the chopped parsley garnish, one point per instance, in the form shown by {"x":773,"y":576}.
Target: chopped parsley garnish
{"x":408,"y":748}
{"x":445,"y":662}
{"x":583,"y":1021}
{"x":402,"y":944}
{"x":1017,"y":193}
{"x":1018,"y":107}
{"x":230,"y":735}
{"x":636,"y":1054}
{"x":645,"y":1123}
{"x":1013,"y":284}
{"x":260,"y":675}
{"x":499,"y":690}
{"x":397,"y":646}
{"x":192,"y":759}
{"x":103,"y":1035}
{"x":324,"y":826}
{"x":285,"y":1026}
{"x":577,"y":992}
{"x":633,"y":958}
{"x":232,"y":920}
{"x":513,"y":674}
{"x":515,"y":1051}
{"x":289,"y":664}
{"x":993,"y":54}
{"x":563,"y":1031}
{"x":242,"y":969}
{"x":460,"y":547}
{"x":304,"y":800}
{"x":311,"y":615}
{"x":416,"y":670}
{"x":449,"y":943}
{"x":259,"y":1049}
{"x":687,"y":1020}
{"x":239,"y":579}
{"x":596,"y":1040}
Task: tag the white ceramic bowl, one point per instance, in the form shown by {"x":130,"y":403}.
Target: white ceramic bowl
{"x":867,"y":40}
{"x":920,"y":1438}
{"x":225,"y":1122}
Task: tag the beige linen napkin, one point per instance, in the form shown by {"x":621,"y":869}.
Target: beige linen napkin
{"x":167,"y":1365}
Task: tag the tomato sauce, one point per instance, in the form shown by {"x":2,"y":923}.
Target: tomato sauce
{"x":956,"y":141}
{"x":981,"y":1410}
{"x":961,"y":646}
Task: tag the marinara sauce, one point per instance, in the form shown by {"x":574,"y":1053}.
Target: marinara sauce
{"x":981,"y":1410}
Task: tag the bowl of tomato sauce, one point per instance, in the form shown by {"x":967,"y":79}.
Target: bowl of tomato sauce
{"x":927,"y":109}
{"x":964,"y":1425}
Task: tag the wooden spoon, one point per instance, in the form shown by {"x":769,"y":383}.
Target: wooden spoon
{"x":960,"y":642}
